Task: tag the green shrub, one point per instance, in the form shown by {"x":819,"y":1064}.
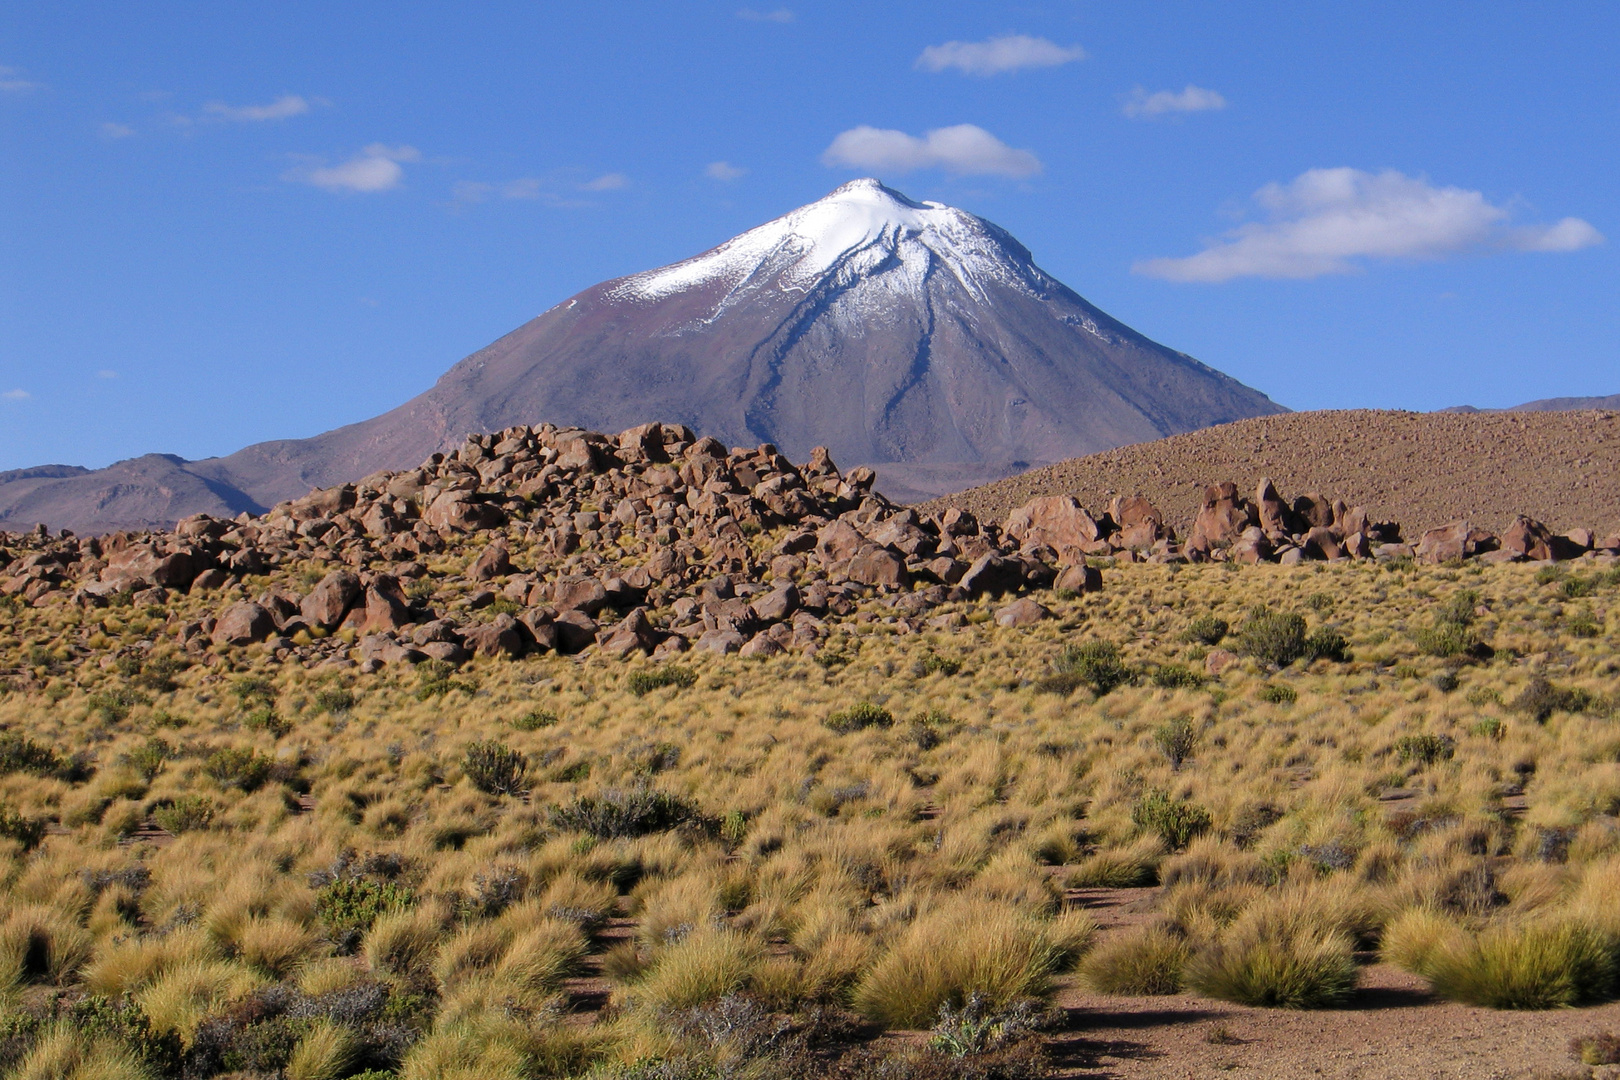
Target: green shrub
{"x":1278,"y":694}
{"x":21,"y":754}
{"x":266,"y":719}
{"x":1322,"y":602}
{"x":863,"y":714}
{"x":1286,"y":967}
{"x":1540,"y":699}
{"x":347,"y":907}
{"x":1446,"y":639}
{"x":237,"y":767}
{"x":150,"y":758}
{"x":1176,"y":821}
{"x":436,"y":680}
{"x":1425,"y":749}
{"x":494,"y":768}
{"x":185,"y":814}
{"x":616,"y":814}
{"x":1176,"y":677}
{"x":1273,"y":638}
{"x":26,"y":831}
{"x":935,"y":664}
{"x":1205,"y":630}
{"x":646,"y":680}
{"x":113,"y":706}
{"x":158,"y":674}
{"x":333,"y":699}
{"x":1141,"y":961}
{"x":253,"y":690}
{"x":1095,"y":664}
{"x":977,"y":1029}
{"x":535,"y":719}
{"x":1176,"y":739}
{"x":1326,"y":643}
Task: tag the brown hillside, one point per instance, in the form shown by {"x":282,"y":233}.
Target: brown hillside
{"x":1421,"y":469}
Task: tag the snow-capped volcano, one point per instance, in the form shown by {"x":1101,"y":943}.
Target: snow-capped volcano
{"x":861,"y":230}
{"x":910,"y":336}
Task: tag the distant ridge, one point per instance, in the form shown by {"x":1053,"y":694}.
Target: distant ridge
{"x":1555,"y":404}
{"x":1421,"y":469}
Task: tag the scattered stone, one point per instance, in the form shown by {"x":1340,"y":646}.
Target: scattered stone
{"x":1025,"y":612}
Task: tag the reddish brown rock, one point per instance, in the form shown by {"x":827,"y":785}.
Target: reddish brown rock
{"x":495,"y":561}
{"x":1058,"y":521}
{"x":1078,"y":579}
{"x":243,"y":623}
{"x":329,"y":601}
{"x":838,"y":541}
{"x":877,"y":566}
{"x":993,"y":575}
{"x":1025,"y":612}
{"x":576,"y":631}
{"x":633,"y":633}
{"x":1454,"y":540}
{"x":1528,"y":538}
{"x":585,"y":594}
{"x":461,"y":512}
{"x":498,"y":637}
{"x":1222,"y":518}
{"x":386,"y":606}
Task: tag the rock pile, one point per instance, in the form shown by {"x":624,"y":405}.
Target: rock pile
{"x":551,"y":539}
{"x":655,"y":541}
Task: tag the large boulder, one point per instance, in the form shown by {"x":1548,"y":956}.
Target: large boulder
{"x":495,"y":561}
{"x":992,"y":574}
{"x":243,"y":623}
{"x":1222,"y":518}
{"x":1058,"y":521}
{"x":585,"y":594}
{"x":460,"y":511}
{"x":1025,"y":612}
{"x":498,"y":637}
{"x":1454,"y":540}
{"x":633,"y":633}
{"x":386,"y":607}
{"x":873,"y":565}
{"x":329,"y":601}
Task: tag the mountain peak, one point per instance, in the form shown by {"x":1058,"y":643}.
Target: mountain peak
{"x":855,"y":230}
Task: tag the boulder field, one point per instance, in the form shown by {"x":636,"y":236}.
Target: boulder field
{"x":653,"y":541}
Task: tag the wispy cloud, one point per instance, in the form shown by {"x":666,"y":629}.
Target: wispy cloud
{"x":779,"y":15}
{"x":964,"y":149}
{"x":287,"y":105}
{"x":613,"y":181}
{"x":375,"y":168}
{"x":16,"y":395}
{"x":1325,"y":220}
{"x":111,"y":130}
{"x":723,"y":170}
{"x":106,"y":373}
{"x":12,"y":82}
{"x":1010,"y":52}
{"x":1141,"y":105}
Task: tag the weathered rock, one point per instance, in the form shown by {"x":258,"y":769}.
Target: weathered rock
{"x":777,"y":604}
{"x":1078,"y":579}
{"x":839,"y":541}
{"x":1528,"y":538}
{"x":243,"y":623}
{"x":1322,"y":544}
{"x":633,"y":633}
{"x":330,"y":600}
{"x":993,"y":575}
{"x":495,"y":561}
{"x":761,"y":644}
{"x":576,"y":632}
{"x":1314,"y":510}
{"x":1455,"y":540}
{"x":1277,"y":518}
{"x":498,"y":637}
{"x":1221,"y":519}
{"x":1219,"y":660}
{"x":461,"y":512}
{"x":386,"y":606}
{"x":721,"y":640}
{"x":873,"y":565}
{"x":1024,"y":612}
{"x":585,"y":594}
{"x":1058,"y":521}
{"x":212,"y":578}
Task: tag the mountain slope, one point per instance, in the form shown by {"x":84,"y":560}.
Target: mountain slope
{"x":910,"y":336}
{"x":1421,"y":469}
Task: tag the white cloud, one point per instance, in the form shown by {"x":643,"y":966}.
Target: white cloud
{"x":16,"y":395}
{"x":12,"y":82}
{"x":613,"y":181}
{"x":780,"y":15}
{"x":375,"y":168}
{"x":111,"y":130}
{"x":723,"y":170}
{"x":1325,"y":219}
{"x":964,"y":149}
{"x":1143,"y":105}
{"x":280,"y":109}
{"x":1010,"y":52}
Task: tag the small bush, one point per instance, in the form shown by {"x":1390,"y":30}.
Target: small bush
{"x":1094,"y":664}
{"x":645,"y":681}
{"x":859,"y":716}
{"x":1599,"y":1048}
{"x":21,"y":754}
{"x":1176,"y":822}
{"x":348,"y":907}
{"x":976,"y":1029}
{"x":333,"y":699}
{"x":935,"y":664}
{"x":150,"y":758}
{"x":535,"y":719}
{"x":185,"y":814}
{"x":113,"y":706}
{"x":26,"y":831}
{"x":1271,"y":637}
{"x":701,"y":968}
{"x":1205,"y":630}
{"x":1326,"y":643}
{"x":237,"y":767}
{"x":1278,"y":694}
{"x":265,"y":718}
{"x":1425,"y":749}
{"x":1141,"y":961}
{"x":1540,"y":699}
{"x":1176,"y":677}
{"x":1445,"y":639}
{"x":616,"y":814}
{"x":253,"y":690}
{"x":1279,"y":953}
{"x":494,"y":768}
{"x":1176,"y":738}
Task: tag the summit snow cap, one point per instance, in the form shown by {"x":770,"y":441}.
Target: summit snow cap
{"x":860,"y":228}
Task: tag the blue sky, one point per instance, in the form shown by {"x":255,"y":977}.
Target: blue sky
{"x":222,"y":223}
